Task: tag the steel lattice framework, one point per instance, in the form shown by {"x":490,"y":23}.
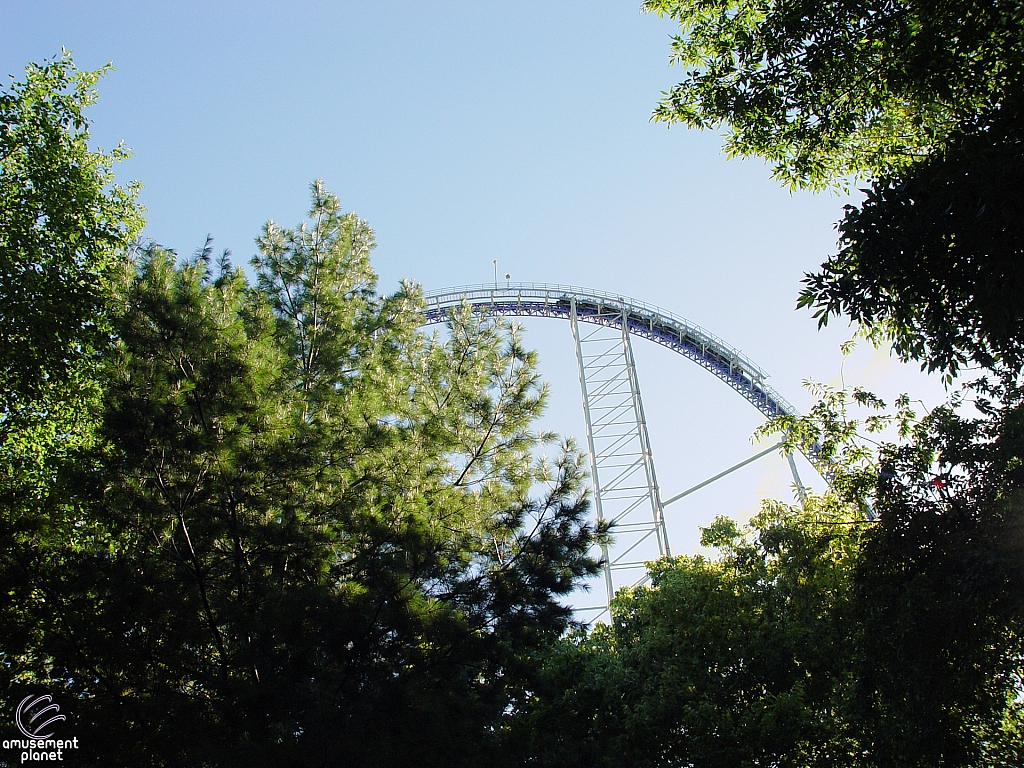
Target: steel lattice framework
{"x":626,"y":490}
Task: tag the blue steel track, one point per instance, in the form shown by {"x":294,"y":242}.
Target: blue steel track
{"x":641,"y":319}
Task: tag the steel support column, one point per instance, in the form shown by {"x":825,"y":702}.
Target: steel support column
{"x":801,"y":491}
{"x":657,"y":508}
{"x":591,"y":451}
{"x":621,"y":464}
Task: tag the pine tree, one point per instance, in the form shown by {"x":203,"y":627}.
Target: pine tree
{"x":314,"y":534}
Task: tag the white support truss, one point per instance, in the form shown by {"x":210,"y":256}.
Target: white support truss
{"x":621,"y":465}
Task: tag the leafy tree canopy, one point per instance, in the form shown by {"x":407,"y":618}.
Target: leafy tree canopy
{"x":63,"y":227}
{"x":257,"y":524}
{"x":939,"y":575}
{"x":875,"y":625}
{"x":737,"y":661}
{"x":306,"y":533}
{"x":825,"y":89}
{"x":921,"y":98}
{"x":931,"y":259}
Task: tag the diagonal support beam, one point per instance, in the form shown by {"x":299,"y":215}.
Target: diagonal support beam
{"x":720,"y":475}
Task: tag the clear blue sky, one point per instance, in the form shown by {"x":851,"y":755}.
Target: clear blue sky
{"x":466,"y":132}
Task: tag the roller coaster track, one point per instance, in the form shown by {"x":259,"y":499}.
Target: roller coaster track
{"x":641,"y":319}
{"x":626,"y":491}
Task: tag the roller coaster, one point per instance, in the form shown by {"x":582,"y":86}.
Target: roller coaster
{"x":625,"y":486}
